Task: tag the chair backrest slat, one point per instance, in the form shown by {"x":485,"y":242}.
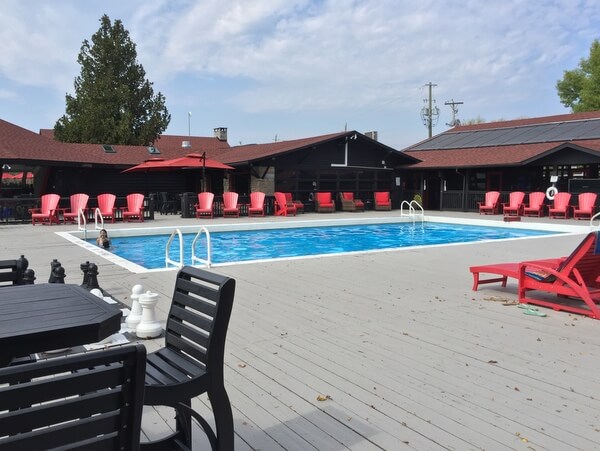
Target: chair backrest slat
{"x":201,"y":308}
{"x":92,"y":401}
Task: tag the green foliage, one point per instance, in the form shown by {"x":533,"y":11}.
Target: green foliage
{"x":580,"y":88}
{"x":113,"y":103}
{"x":417,"y":198}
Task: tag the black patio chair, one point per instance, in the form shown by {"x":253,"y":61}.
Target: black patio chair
{"x":191,"y":363}
{"x":83,"y":401}
{"x":167,"y":204}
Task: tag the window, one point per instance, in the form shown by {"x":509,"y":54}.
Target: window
{"x":153,"y":150}
{"x":108,"y":148}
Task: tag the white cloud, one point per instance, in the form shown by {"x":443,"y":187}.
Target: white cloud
{"x":348,"y":58}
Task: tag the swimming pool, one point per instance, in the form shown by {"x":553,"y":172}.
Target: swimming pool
{"x":255,"y":245}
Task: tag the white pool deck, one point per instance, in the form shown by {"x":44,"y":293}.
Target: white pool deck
{"x":403,"y":353}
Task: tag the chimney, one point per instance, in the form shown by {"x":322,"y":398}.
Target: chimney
{"x":221,"y":133}
{"x":372,"y":135}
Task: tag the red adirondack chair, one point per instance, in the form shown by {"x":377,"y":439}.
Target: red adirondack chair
{"x":586,"y":206}
{"x":324,"y":203}
{"x":283,"y":206}
{"x":514,"y":207}
{"x":536,"y":204}
{"x":574,"y":281}
{"x":134,"y":208}
{"x":204,"y":207}
{"x":47,"y":213}
{"x":106,"y":205}
{"x":78,"y":202}
{"x":257,"y":204}
{"x":491,"y":203}
{"x":560,"y":207}
{"x":297,"y":203}
{"x":230,"y":204}
{"x":383,"y":201}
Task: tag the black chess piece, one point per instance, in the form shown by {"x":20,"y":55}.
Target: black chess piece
{"x":22,"y":265}
{"x":53,"y":264}
{"x":28,"y":277}
{"x":85,"y":268}
{"x":92,"y":277}
{"x":59,"y":274}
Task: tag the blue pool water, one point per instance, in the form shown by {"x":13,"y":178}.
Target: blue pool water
{"x":230,"y":247}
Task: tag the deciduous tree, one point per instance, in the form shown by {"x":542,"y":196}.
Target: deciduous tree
{"x":113,"y":103}
{"x":580,"y":88}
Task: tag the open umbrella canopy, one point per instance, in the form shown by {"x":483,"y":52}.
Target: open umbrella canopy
{"x":192,"y":160}
{"x":147,"y":165}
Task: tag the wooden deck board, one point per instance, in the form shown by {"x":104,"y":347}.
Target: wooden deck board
{"x":397,"y":339}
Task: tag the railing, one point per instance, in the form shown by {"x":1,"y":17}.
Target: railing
{"x":412,"y":211}
{"x":195,"y":259}
{"x":81,"y":223}
{"x":596,"y":216}
{"x":97,"y":215}
{"x":168,"y":261}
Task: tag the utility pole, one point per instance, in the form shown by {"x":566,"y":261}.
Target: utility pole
{"x":455,"y":121}
{"x":429,"y":113}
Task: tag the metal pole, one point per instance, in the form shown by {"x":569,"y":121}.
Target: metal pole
{"x":203,"y":172}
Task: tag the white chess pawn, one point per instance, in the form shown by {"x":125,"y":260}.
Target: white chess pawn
{"x":134,"y":317}
{"x":149,"y":327}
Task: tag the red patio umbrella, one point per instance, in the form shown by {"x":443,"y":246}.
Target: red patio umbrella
{"x":190,"y":161}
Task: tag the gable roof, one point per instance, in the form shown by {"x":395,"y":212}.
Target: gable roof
{"x":254,"y":152}
{"x":509,"y":143}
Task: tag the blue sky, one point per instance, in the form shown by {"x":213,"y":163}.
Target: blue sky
{"x":286,"y":69}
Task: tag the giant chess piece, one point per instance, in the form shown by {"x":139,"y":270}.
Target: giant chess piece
{"x":28,"y":277}
{"x":53,"y":264}
{"x":149,"y":327}
{"x":58,"y":274}
{"x":22,"y":265}
{"x":92,"y":277}
{"x":135,"y":316}
{"x":85,"y":268}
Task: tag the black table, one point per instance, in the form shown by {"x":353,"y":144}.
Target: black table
{"x":42,"y":317}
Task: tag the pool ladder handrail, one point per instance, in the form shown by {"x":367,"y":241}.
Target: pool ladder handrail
{"x":412,"y":212}
{"x":81,"y":223}
{"x":208,"y":260}
{"x":168,"y":259}
{"x":596,"y":216}
{"x":98,"y":214}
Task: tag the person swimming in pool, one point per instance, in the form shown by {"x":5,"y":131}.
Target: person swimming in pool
{"x":103,"y":240}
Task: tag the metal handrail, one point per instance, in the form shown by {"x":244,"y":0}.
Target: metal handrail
{"x":80,"y":220}
{"x":596,"y":216}
{"x":168,"y":260}
{"x":207,"y":261}
{"x":412,"y":213}
{"x":98,"y":214}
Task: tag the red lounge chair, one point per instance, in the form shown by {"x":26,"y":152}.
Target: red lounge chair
{"x":135,"y":207}
{"x":505,"y":270}
{"x":106,"y":205}
{"x":324,"y":203}
{"x":560,"y":207}
{"x":491,"y":204}
{"x":257,"y":204}
{"x":283,"y":207}
{"x":586,"y":205}
{"x":47,"y":213}
{"x":230,"y":205}
{"x":382,"y":200}
{"x":514,"y":207}
{"x":536,"y":204}
{"x":574,"y":281}
{"x":204,"y":207}
{"x":78,"y":202}
{"x":349,"y":203}
{"x":298,"y":204}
